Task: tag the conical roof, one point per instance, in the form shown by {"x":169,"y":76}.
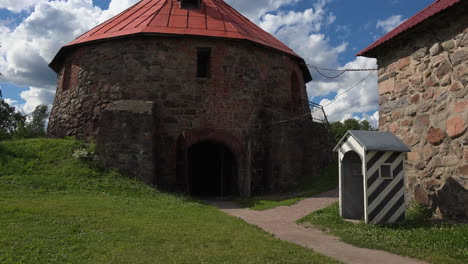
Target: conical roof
{"x":214,"y":18}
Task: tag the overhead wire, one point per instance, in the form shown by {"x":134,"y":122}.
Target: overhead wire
{"x":349,"y":89}
{"x":341,"y":71}
{"x":329,"y":103}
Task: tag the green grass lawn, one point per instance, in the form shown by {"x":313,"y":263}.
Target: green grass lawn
{"x":328,"y":180}
{"x":56,"y":209}
{"x":417,"y":237}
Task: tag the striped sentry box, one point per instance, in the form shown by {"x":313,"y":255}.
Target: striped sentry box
{"x":372,"y":180}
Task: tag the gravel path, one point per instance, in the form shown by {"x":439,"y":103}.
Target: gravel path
{"x":280,"y":221}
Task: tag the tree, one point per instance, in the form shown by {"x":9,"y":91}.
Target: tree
{"x":10,"y":119}
{"x":339,"y":129}
{"x":35,"y":127}
{"x":39,"y":117}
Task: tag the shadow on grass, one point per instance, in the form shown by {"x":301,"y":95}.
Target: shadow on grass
{"x":327,"y":181}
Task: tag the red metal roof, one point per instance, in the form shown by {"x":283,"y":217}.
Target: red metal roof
{"x":434,"y":9}
{"x":215,"y":18}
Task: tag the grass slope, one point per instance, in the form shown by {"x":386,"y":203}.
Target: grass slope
{"x":55,"y":209}
{"x":417,"y":237}
{"x":328,"y":180}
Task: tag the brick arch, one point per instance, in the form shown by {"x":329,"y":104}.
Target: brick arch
{"x":190,"y":137}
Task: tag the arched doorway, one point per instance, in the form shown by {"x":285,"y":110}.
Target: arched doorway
{"x":212,"y":170}
{"x":352,"y":186}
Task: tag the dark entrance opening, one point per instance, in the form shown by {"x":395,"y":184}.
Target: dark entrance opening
{"x":352,"y":186}
{"x":212,"y":170}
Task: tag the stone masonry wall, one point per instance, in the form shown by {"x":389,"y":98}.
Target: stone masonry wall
{"x":248,"y":90}
{"x":126,"y":138}
{"x":423,"y":81}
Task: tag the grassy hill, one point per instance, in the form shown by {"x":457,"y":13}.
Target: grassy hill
{"x":57,"y":209}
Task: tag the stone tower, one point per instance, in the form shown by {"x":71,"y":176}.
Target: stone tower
{"x":188,"y":96}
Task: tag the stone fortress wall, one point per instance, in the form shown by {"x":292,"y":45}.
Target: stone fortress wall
{"x":423,"y":80}
{"x":153,"y":106}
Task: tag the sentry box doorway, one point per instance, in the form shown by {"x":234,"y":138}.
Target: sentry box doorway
{"x":372,"y":180}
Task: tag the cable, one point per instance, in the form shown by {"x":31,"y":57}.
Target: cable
{"x":352,"y":87}
{"x":341,"y":71}
{"x":329,"y":103}
{"x":338,"y":70}
{"x":330,"y":77}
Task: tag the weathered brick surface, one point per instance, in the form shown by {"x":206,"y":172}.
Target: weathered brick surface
{"x":248,"y":91}
{"x":433,"y":98}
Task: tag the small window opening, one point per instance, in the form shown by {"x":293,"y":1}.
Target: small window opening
{"x":190,"y":4}
{"x":295,"y":88}
{"x":203,"y":62}
{"x":386,"y":171}
{"x":66,"y":77}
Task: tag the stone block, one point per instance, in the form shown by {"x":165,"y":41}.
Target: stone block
{"x":443,"y":70}
{"x":459,"y":56}
{"x":463,"y":170}
{"x":383,"y":77}
{"x":448,"y":45}
{"x":406,"y":122}
{"x":393,"y":127}
{"x":412,"y":139}
{"x":414,"y":155}
{"x":411,"y":110}
{"x":392,"y":105}
{"x":429,"y":152}
{"x":446,"y":80}
{"x":387,"y":86}
{"x":416,"y":80}
{"x":441,"y":96}
{"x":460,"y":106}
{"x":456,"y":127}
{"x":455,"y":87}
{"x":421,"y":122}
{"x":419,"y":54}
{"x":439,"y":59}
{"x":436,"y":162}
{"x":421,"y":195}
{"x":464,"y":41}
{"x":430,"y":82}
{"x":451,"y":160}
{"x":435,"y":136}
{"x":415,"y":98}
{"x":435,"y":49}
{"x":402,"y":86}
{"x":402,"y":63}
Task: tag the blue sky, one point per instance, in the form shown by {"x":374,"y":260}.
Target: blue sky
{"x":327,"y":33}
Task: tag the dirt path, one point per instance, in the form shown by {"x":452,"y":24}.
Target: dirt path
{"x":280,"y":222}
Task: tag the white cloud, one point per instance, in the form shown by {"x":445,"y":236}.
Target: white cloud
{"x":11,"y":102}
{"x":32,"y":97}
{"x":373,"y":119}
{"x":301,"y":31}
{"x":29,"y":47}
{"x":254,"y":10}
{"x":390,"y":23}
{"x":18,"y":5}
